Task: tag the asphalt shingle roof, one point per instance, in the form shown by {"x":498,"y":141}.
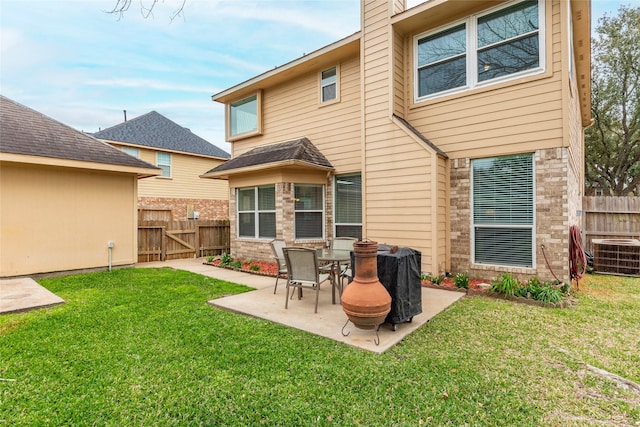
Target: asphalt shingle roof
{"x":156,"y":131}
{"x":28,"y":132}
{"x":299,"y":149}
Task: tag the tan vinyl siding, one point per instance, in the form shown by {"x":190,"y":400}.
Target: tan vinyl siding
{"x":521,"y":115}
{"x":292,"y":110}
{"x":398,"y":170}
{"x":442,"y":214}
{"x":399,"y":92}
{"x":185,"y":181}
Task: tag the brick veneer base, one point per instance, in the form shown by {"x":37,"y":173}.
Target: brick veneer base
{"x":552,"y":219}
{"x":207,"y":208}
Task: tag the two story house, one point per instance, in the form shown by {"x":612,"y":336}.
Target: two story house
{"x":454,"y":128}
{"x":182,"y":156}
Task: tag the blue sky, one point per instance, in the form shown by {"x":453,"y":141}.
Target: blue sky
{"x":81,"y":66}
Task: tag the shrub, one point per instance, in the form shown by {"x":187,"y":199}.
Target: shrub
{"x":436,"y":280}
{"x":424,"y":276}
{"x":236,"y":264}
{"x":531,"y":290}
{"x":506,"y":284}
{"x":254,"y":268}
{"x":461,"y":280}
{"x":549,"y":293}
{"x":226,"y":259}
{"x":209,"y":259}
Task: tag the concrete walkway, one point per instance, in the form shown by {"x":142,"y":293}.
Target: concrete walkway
{"x":23,"y":294}
{"x":330,"y":320}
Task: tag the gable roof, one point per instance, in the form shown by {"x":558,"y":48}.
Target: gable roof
{"x":156,"y":131}
{"x":299,"y":152}
{"x":26,"y":132}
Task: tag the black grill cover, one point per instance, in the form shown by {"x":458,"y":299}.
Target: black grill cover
{"x":399,"y":273}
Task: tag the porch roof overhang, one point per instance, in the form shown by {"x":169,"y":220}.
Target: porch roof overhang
{"x":581,"y":18}
{"x":298,"y":154}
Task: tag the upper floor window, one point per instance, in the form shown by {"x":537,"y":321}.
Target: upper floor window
{"x":131,"y":151}
{"x":163,"y":161}
{"x":329,"y":84}
{"x":309,"y":211}
{"x":257,"y":212}
{"x":484,"y":48}
{"x":244,"y":117}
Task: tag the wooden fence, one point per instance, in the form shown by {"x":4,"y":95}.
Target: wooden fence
{"x":610,"y":218}
{"x":164,"y":240}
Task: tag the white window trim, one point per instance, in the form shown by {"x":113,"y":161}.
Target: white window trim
{"x":257,"y":131}
{"x":321,"y":86}
{"x":533,"y":225}
{"x":324,"y":213}
{"x":471,"y":26}
{"x":170,"y":164}
{"x":256,"y":215}
{"x":335,"y":211}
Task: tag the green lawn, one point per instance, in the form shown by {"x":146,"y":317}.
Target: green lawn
{"x":141,"y":347}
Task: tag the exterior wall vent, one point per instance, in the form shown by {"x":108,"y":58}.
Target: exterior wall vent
{"x":617,"y":256}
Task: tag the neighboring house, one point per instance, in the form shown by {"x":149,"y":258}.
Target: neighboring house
{"x":182,"y":156}
{"x":64,"y":196}
{"x":454,"y":128}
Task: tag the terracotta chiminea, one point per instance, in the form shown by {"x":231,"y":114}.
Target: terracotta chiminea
{"x":366,"y":301}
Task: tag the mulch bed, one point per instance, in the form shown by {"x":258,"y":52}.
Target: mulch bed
{"x":475,"y":286}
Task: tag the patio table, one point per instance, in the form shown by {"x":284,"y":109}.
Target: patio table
{"x":334,"y":257}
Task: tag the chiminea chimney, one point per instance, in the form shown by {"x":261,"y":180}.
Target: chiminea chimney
{"x":125,"y":115}
{"x":366,"y":301}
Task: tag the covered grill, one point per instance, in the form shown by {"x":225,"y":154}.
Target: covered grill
{"x":399,"y":273}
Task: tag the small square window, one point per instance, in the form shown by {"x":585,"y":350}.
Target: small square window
{"x":243,"y":118}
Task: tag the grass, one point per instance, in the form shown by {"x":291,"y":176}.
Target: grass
{"x":142,"y":347}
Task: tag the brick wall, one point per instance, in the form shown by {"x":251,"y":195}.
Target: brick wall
{"x":208,"y":209}
{"x":552,"y":224}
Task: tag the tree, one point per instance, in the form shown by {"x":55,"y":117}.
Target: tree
{"x":146,"y":8}
{"x":612,"y":144}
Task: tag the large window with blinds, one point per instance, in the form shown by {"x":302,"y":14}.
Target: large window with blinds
{"x":503,"y":207}
{"x":309,"y":211}
{"x":256,"y":208}
{"x":348,"y":206}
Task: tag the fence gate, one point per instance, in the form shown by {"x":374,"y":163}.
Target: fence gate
{"x":165,"y":240}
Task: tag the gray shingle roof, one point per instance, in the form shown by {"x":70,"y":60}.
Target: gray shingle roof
{"x":28,"y":132}
{"x":156,"y":131}
{"x":301,"y":150}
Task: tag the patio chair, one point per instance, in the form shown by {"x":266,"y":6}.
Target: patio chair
{"x":344,"y":243}
{"x":276,"y":247}
{"x":302,"y":272}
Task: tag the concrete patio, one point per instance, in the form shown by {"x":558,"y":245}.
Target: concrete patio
{"x":330,"y":319}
